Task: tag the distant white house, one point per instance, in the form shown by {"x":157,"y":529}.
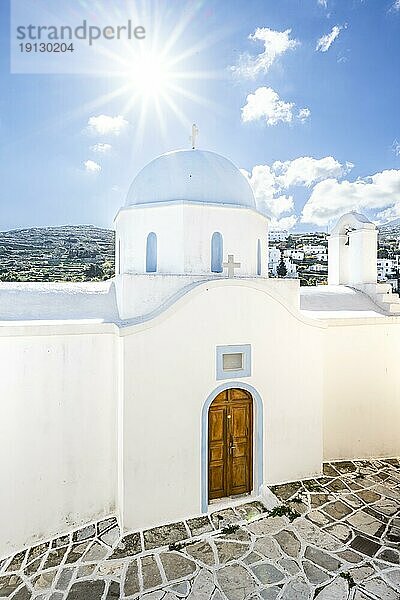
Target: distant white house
{"x":291,"y":268}
{"x":293,"y":254}
{"x":274,"y":256}
{"x":313,"y":250}
{"x":386,"y":268}
{"x":318,"y":267}
{"x":278,"y":236}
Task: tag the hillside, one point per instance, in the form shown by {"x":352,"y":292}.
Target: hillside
{"x":68,"y":253}
{"x":392,"y":226}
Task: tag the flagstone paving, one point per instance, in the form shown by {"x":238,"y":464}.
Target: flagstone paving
{"x":335,"y":537}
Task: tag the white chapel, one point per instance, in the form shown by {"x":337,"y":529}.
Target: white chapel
{"x":191,"y":377}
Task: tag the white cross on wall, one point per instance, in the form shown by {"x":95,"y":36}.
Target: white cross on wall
{"x":231,"y":265}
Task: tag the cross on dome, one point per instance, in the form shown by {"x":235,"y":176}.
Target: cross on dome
{"x":195,"y":133}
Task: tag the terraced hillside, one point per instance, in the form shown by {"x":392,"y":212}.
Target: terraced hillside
{"x":68,"y":253}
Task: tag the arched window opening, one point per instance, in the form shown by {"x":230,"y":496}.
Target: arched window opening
{"x":217,"y":251}
{"x":259,"y":257}
{"x":151,"y":253}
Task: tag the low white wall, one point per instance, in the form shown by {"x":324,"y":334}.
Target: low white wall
{"x":57,"y":433}
{"x":362,"y":390}
{"x":169,"y":372}
{"x":140,"y":295}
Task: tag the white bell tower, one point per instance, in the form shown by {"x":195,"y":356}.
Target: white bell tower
{"x":352,"y":251}
{"x":352,"y":260}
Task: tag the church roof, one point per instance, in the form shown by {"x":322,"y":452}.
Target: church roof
{"x":62,"y":301}
{"x":337,"y":302}
{"x":197,"y":176}
{"x":96,"y":302}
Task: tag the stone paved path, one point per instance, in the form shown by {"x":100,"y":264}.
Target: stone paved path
{"x":332,"y":538}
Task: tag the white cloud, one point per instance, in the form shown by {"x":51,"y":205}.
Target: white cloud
{"x":284,"y":223}
{"x":396,"y":6}
{"x":306,"y":170}
{"x":266,"y":104}
{"x":276,"y":43}
{"x":270,"y":184}
{"x":326,"y":41}
{"x":323,"y":3}
{"x":101,"y":148}
{"x":104,"y":124}
{"x":267,"y":191}
{"x":330,"y":198}
{"x":91,"y":166}
{"x":303,"y":114}
{"x":396,"y":145}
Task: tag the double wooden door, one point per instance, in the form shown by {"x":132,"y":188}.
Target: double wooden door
{"x":230,"y":444}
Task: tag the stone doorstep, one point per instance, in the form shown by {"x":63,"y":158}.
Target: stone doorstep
{"x":190,"y":539}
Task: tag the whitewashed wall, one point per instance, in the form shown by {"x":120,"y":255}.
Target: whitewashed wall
{"x":58,"y":439}
{"x":184,"y":234}
{"x":60,"y":388}
{"x":139,"y":295}
{"x":362,"y":390}
{"x":170,"y":371}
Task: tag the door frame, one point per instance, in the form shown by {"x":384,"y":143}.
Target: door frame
{"x":258,"y":439}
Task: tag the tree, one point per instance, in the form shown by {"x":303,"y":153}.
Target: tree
{"x":290,"y":242}
{"x":108,"y":269}
{"x":281,"y":270}
{"x":93,"y":272}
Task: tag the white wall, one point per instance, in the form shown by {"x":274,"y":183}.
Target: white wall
{"x":59,"y":394}
{"x":352,"y":251}
{"x":362,"y":390}
{"x":362,"y":256}
{"x":57,"y":432}
{"x":184,"y":234}
{"x":139,"y":295}
{"x":338,"y":260}
{"x":132,"y":228}
{"x":170,"y":372}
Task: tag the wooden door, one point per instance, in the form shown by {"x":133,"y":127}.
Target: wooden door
{"x":230,"y":444}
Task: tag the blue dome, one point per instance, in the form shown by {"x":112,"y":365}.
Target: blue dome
{"x":193,"y":176}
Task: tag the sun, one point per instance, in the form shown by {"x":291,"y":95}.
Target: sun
{"x":158,"y":78}
{"x":150,"y":75}
{"x":154,"y":82}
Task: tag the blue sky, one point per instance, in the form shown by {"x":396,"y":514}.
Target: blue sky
{"x":316,"y":127}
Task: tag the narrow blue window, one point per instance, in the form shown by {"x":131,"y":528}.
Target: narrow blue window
{"x":151,"y":253}
{"x":259,"y":257}
{"x":216,"y":252}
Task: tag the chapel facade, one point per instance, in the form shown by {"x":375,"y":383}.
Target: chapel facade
{"x":191,"y":378}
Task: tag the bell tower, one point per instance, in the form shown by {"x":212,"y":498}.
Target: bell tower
{"x":352,"y":251}
{"x":352,"y":260}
